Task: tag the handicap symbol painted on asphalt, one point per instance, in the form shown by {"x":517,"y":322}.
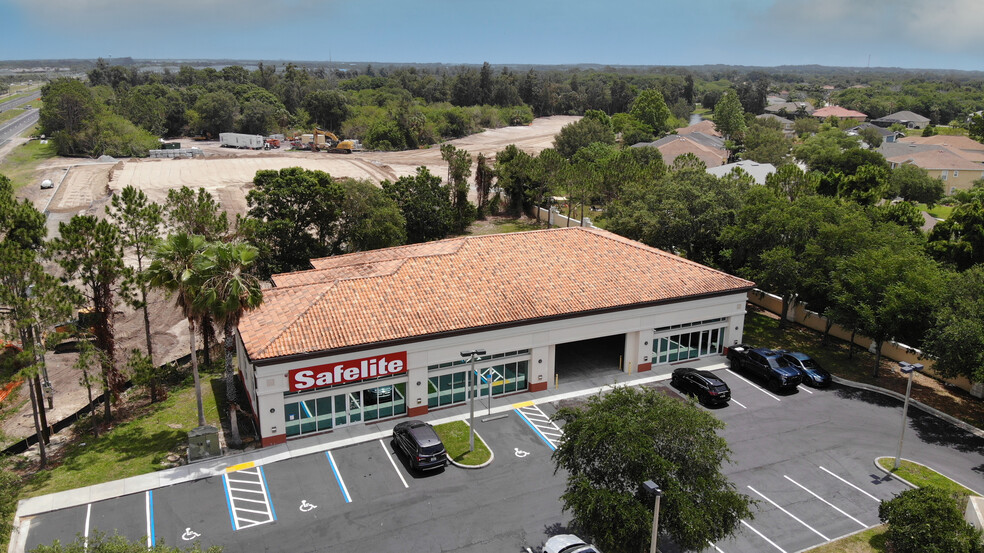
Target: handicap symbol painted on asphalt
{"x":521,"y":453}
{"x":189,"y":535}
{"x":305,"y":506}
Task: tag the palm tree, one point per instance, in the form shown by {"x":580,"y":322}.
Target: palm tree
{"x":228,"y":290}
{"x":173,"y":269}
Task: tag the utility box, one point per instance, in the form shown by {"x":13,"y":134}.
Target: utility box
{"x":203,"y":442}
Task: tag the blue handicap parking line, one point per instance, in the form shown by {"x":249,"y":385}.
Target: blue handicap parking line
{"x":232,"y":518}
{"x":273,"y":511}
{"x":151,"y":540}
{"x":338,"y":477}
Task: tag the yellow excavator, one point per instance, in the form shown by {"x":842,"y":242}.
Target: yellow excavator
{"x":331,"y":143}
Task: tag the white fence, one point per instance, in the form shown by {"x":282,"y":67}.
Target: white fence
{"x":555,"y":219}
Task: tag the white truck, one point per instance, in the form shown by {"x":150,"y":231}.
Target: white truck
{"x":238,"y":140}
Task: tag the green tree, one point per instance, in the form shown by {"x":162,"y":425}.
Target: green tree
{"x":227,"y":291}
{"x":956,"y":339}
{"x":806,"y":126}
{"x":650,"y":109}
{"x":193,"y":213}
{"x":67,"y":110}
{"x":296,"y":214}
{"x":484,"y":178}
{"x":927,"y":520}
{"x":729,"y":117}
{"x":90,"y":251}
{"x":173,"y":270}
{"x":913,"y":183}
{"x":425,"y":204}
{"x":887,"y":289}
{"x":139,"y":221}
{"x":791,"y":182}
{"x":328,"y":108}
{"x":214,"y":113}
{"x":518,"y":174}
{"x":765,"y":143}
{"x":630,"y":435}
{"x":459,"y":169}
{"x":976,"y":127}
{"x":369,"y":219}
{"x":581,"y":133}
{"x":866,"y":187}
{"x":959,"y":240}
{"x":870,"y":136}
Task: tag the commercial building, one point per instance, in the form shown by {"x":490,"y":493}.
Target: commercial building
{"x":380,"y":334}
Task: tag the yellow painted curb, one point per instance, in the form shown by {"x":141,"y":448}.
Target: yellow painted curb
{"x":240,"y":466}
{"x":523,"y":404}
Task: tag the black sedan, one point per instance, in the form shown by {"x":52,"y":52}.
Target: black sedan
{"x":709,"y":389}
{"x":813,"y":374}
{"x":421,"y":444}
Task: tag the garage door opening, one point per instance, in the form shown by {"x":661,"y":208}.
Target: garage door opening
{"x":589,"y":359}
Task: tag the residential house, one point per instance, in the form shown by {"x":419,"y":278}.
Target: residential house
{"x":886,"y":134}
{"x":787,"y":126}
{"x":706,"y":127}
{"x":754,"y":169}
{"x":906,"y":118}
{"x":840,"y":113}
{"x":956,"y":171}
{"x":709,"y":149}
{"x":962,"y":145}
{"x":790,"y":109}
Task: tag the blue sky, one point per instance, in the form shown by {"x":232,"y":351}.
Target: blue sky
{"x":939,"y":34}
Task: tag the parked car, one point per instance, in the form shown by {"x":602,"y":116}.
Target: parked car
{"x":568,"y":543}
{"x":421,"y":444}
{"x":767,"y":364}
{"x":709,"y":389}
{"x":813,"y":374}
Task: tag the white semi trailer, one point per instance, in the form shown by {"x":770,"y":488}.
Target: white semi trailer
{"x":238,"y":140}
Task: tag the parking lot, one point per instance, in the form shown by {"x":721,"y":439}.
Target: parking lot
{"x":805,"y":457}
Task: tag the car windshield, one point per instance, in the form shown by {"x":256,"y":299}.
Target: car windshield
{"x":810,"y":364}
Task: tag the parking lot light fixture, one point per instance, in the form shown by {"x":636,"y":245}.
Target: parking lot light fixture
{"x":472,"y":356}
{"x":653,"y":490}
{"x":907,"y":368}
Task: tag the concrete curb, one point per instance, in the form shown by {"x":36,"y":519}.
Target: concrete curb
{"x":910,"y":484}
{"x":896,"y":476}
{"x":921,"y":406}
{"x":483,"y":465}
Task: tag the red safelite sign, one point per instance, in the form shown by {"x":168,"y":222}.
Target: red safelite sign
{"x":346,"y":372}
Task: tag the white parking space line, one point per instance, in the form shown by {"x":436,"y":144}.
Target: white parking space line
{"x":739,"y":403}
{"x":805,"y":389}
{"x":338,"y":477}
{"x":791,"y":515}
{"x":761,"y":535}
{"x":392,"y":462}
{"x":85,"y":542}
{"x":829,"y":504}
{"x":851,"y":485}
{"x":540,"y":423}
{"x":246,"y":498}
{"x":751,"y":384}
{"x":716,"y":548}
{"x":149,"y":495}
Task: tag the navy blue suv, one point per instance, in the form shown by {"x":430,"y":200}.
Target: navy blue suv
{"x":767,"y":364}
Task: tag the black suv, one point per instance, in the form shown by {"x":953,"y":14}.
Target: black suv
{"x":421,"y":444}
{"x":709,"y":389}
{"x":767,"y":364}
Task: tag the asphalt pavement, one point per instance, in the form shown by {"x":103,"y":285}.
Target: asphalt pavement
{"x":806,"y":457}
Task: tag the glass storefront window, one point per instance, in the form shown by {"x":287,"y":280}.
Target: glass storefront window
{"x":451,"y":389}
{"x":687,"y":345}
{"x":325,"y":413}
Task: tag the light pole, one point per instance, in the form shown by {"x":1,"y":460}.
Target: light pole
{"x":653,"y":490}
{"x":907,"y":368}
{"x":472,"y":356}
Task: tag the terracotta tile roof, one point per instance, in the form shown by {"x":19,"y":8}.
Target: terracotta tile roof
{"x":838,"y":111}
{"x":462,"y":283}
{"x":705,"y":126}
{"x":942,"y":158}
{"x":674,"y":146}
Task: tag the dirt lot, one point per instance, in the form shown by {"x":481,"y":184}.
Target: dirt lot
{"x":84,"y":186}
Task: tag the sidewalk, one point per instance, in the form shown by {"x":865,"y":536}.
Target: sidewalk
{"x":580,"y":386}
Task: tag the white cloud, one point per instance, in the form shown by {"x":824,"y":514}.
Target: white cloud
{"x":934,"y":26}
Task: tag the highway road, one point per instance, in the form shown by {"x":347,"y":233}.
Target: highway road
{"x":11,"y":104}
{"x":17,"y":125}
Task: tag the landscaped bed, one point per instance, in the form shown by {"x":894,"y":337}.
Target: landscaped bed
{"x":455,"y":436}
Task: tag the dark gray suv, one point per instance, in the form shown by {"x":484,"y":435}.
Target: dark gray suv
{"x":421,"y":444}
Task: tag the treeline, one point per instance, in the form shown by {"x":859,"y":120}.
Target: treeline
{"x":943,"y":102}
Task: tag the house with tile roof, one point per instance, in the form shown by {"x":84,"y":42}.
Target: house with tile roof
{"x":379,"y":334}
{"x":709,"y":149}
{"x":705,"y":127}
{"x":906,"y":118}
{"x":961,"y":145}
{"x":840,"y":113}
{"x":956,"y":172}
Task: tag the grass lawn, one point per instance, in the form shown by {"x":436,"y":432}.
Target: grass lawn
{"x":871,"y":540}
{"x":130,"y":449}
{"x":455,"y":437}
{"x":922,"y":476}
{"x":19,"y":166}
{"x":938,"y":211}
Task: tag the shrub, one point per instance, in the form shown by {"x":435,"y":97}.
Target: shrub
{"x":928,"y":520}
